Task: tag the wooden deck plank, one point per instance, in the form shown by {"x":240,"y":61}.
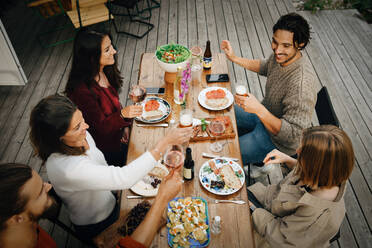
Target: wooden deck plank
{"x":233,"y":38}
{"x":350,"y":39}
{"x":222,"y":33}
{"x":152,"y":37}
{"x":211,"y":26}
{"x":254,"y":80}
{"x":363,"y":29}
{"x":362,"y":87}
{"x":173,"y":22}
{"x":182,"y":23}
{"x":201,"y":24}
{"x":23,"y":93}
{"x":192,"y":30}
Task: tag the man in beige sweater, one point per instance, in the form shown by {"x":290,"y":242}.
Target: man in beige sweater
{"x":290,"y":94}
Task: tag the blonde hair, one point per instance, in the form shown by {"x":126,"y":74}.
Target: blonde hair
{"x":326,"y":157}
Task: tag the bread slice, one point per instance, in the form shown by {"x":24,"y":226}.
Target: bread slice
{"x":150,"y":115}
{"x":229,"y":177}
{"x":217,"y":103}
{"x":159,"y":171}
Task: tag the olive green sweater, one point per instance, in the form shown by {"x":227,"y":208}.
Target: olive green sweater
{"x":290,"y":95}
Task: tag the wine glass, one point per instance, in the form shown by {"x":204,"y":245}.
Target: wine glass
{"x":174,"y":156}
{"x":217,"y":128}
{"x":137,"y":94}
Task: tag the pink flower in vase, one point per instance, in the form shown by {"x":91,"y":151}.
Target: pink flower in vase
{"x":186,"y":78}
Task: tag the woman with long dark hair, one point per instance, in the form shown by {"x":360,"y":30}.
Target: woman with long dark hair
{"x":93,"y":85}
{"x":77,"y":168}
{"x":306,"y":208}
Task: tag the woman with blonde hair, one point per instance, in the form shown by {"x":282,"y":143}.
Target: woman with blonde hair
{"x":307,"y":207}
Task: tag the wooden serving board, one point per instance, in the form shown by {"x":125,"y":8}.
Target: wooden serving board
{"x":206,"y":135}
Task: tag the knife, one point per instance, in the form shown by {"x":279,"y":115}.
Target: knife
{"x":134,"y":196}
{"x":153,"y":125}
{"x":208,"y":155}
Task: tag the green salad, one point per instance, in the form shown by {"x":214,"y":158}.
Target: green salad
{"x":172,"y":53}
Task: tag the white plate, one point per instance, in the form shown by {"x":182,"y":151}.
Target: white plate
{"x":202,"y":98}
{"x":206,"y":175}
{"x":164,"y":107}
{"x":145,"y":189}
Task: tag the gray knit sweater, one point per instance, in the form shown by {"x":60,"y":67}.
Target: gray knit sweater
{"x":290,"y":95}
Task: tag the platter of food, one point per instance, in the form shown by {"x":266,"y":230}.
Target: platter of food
{"x":219,"y":127}
{"x":187,"y":222}
{"x":221,"y":176}
{"x":215,"y":98}
{"x":148,"y":186}
{"x":155,"y":109}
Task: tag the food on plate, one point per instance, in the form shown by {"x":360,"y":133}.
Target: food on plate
{"x":216,"y":98}
{"x":216,"y":127}
{"x":215,"y":94}
{"x":152,"y":110}
{"x":134,"y":218}
{"x":159,"y":171}
{"x":229,"y":177}
{"x":151,"y":105}
{"x":198,"y":132}
{"x":225,"y":119}
{"x":212,"y":164}
{"x":172,"y":53}
{"x":187,"y":219}
{"x":217,"y":184}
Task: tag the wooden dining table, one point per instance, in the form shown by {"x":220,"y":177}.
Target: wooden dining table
{"x":236,"y":223}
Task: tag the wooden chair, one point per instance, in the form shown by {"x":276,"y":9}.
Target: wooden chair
{"x":88,"y":12}
{"x":50,"y":10}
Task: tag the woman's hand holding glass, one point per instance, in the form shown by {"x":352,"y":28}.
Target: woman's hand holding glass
{"x":132,"y":111}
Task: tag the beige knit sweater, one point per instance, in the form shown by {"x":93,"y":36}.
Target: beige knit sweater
{"x":290,"y":95}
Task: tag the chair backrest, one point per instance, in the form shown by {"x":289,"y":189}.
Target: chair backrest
{"x":53,"y":217}
{"x":324,"y":109}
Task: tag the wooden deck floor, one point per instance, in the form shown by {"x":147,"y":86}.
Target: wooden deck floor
{"x":340,"y":52}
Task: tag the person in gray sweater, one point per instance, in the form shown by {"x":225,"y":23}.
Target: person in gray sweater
{"x":290,"y":94}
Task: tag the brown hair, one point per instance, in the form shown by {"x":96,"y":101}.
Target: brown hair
{"x":12,"y":179}
{"x":50,"y":120}
{"x":326,"y":157}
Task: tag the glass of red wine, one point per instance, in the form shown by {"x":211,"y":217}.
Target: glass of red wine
{"x":174,"y":156}
{"x":137,"y":94}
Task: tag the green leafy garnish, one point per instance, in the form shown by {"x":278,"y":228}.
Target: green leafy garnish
{"x":207,"y":169}
{"x":203,"y":124}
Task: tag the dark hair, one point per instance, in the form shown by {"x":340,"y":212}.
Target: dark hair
{"x":296,"y":24}
{"x":50,"y":120}
{"x":12,"y":179}
{"x":86,"y":62}
{"x":326,"y":157}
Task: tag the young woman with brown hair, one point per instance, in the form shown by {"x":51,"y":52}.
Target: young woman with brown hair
{"x":306,"y":208}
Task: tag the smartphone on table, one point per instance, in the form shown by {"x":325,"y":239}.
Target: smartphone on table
{"x":155,"y":91}
{"x":214,"y":78}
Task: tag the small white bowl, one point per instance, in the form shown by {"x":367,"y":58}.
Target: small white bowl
{"x":168,"y":67}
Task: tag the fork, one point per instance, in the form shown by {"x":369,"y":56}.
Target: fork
{"x":230,"y":201}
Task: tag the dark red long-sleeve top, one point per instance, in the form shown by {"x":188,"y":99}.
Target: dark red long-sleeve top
{"x":101,"y":110}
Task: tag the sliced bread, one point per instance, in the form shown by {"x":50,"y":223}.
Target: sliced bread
{"x":229,"y":177}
